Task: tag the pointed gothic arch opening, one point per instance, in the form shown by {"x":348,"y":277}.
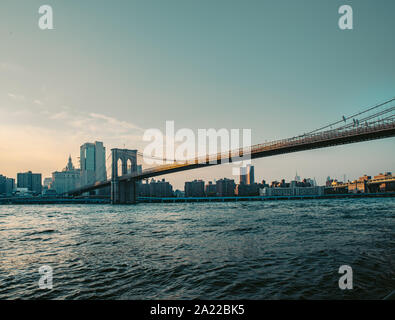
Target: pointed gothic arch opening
{"x":119,"y":167}
{"x":129,"y":166}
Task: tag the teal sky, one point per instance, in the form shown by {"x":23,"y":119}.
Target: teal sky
{"x":112,"y":69}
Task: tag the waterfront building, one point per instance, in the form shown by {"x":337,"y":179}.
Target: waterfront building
{"x":310,"y":191}
{"x":162,"y":189}
{"x":296,"y":187}
{"x":365,"y":184}
{"x":179,"y":194}
{"x":67,"y":179}
{"x":211,"y":189}
{"x":281,"y":184}
{"x":10,"y":186}
{"x":194,"y":188}
{"x":275,"y":192}
{"x":302,"y":184}
{"x":247,"y":190}
{"x":143,"y":188}
{"x":292,"y":191}
{"x":47,"y":183}
{"x":359,"y":185}
{"x":310,"y":182}
{"x":92,"y":163}
{"x":49,"y":193}
{"x":159,"y":189}
{"x":383,"y":176}
{"x":226,"y":188}
{"x":335,"y":187}
{"x":31,"y":181}
{"x":23,"y":192}
{"x":3,"y":184}
{"x":385,"y":186}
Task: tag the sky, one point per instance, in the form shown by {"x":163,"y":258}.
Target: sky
{"x":112,"y":69}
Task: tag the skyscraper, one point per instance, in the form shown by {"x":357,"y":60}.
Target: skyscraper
{"x":247,"y":175}
{"x":93,"y":163}
{"x":250,"y":174}
{"x":243,"y":175}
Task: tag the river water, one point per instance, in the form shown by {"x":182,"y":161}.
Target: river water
{"x":233,"y":250}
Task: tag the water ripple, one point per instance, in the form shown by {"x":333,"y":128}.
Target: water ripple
{"x":248,"y":250}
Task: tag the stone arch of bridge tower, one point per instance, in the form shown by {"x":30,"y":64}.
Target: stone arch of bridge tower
{"x":129,"y":165}
{"x":123,"y":191}
{"x":119,"y":165}
{"x":126,"y":157}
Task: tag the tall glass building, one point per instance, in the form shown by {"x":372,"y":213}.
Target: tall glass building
{"x":247,"y":175}
{"x":93,"y":163}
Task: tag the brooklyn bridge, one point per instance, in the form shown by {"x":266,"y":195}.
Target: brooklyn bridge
{"x":376,"y":122}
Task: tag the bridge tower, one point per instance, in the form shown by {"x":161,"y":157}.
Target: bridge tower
{"x":123,"y":191}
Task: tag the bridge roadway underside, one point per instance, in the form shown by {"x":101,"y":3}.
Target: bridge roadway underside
{"x":128,"y":182}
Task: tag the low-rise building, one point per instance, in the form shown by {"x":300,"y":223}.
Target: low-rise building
{"x":384,"y":186}
{"x":47,"y":183}
{"x":23,"y":192}
{"x":360,"y":185}
{"x":179,"y":194}
{"x":292,"y":191}
{"x":276,"y":192}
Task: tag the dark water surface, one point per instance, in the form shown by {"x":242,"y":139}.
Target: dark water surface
{"x":243,"y":250}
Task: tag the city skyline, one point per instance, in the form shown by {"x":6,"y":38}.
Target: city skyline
{"x":244,"y":178}
{"x":232,"y":72}
{"x":70,"y":178}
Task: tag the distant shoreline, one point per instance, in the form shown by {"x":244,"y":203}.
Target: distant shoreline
{"x":43,"y":201}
